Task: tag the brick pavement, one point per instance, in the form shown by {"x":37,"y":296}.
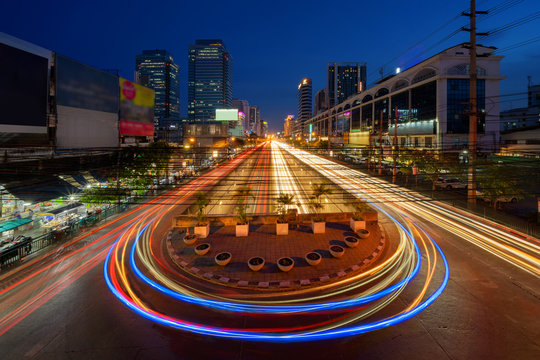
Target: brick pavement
{"x":263,"y":242}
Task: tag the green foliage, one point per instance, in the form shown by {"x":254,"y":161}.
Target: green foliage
{"x":319,"y":190}
{"x":283,"y":201}
{"x":242,"y":194}
{"x":103,"y":195}
{"x":202,"y":201}
{"x":360,"y":205}
{"x":498,"y":184}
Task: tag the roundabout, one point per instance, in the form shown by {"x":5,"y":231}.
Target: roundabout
{"x":355,"y":303}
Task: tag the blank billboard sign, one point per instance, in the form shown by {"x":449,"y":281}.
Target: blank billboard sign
{"x":227,"y":115}
{"x":82,"y":86}
{"x":23,"y":89}
{"x":136,"y":109}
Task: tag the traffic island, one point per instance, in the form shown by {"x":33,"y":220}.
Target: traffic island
{"x":263,"y":242}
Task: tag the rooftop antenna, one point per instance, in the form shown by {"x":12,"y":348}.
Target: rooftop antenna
{"x":529,"y":77}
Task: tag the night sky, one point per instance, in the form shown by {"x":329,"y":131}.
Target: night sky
{"x":274,"y":44}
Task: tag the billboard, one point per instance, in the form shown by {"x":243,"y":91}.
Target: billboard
{"x":82,"y":86}
{"x":136,"y":109}
{"x":23,"y":96}
{"x":226,"y":114}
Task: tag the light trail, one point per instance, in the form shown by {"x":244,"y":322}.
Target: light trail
{"x":367,"y":293}
{"x":517,"y":249}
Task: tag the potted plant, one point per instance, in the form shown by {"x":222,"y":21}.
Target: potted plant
{"x":202,"y":249}
{"x":189,"y":239}
{"x":285,"y":264}
{"x":203,"y":225}
{"x":256,"y":263}
{"x":363,"y":233}
{"x":318,"y":224}
{"x":223,"y":258}
{"x":242,"y":224}
{"x":358,"y":221}
{"x":336,"y":251}
{"x":313,"y":258}
{"x":282,"y":225}
{"x":351,"y":241}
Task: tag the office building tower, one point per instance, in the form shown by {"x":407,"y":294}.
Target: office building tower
{"x":321,"y":101}
{"x":254,"y":118}
{"x":209,"y":79}
{"x":157,"y":70}
{"x":305,"y":106}
{"x":243,"y":111}
{"x":344,"y":80}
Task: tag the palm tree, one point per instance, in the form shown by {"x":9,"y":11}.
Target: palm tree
{"x":242,"y":194}
{"x":319,"y":190}
{"x":283,"y":201}
{"x":201,"y":200}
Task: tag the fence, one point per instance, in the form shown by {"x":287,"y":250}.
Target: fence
{"x":27,"y":246}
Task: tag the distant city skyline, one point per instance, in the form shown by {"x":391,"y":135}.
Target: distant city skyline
{"x":269,"y":64}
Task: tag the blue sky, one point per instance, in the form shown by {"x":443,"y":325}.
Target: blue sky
{"x":274,"y":44}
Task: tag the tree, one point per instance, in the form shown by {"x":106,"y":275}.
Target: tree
{"x":498,"y":184}
{"x":242,"y":195}
{"x":283,"y":201}
{"x":319,"y":190}
{"x":360,"y":205}
{"x":202,"y":201}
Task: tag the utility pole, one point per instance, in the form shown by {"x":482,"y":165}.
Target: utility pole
{"x":380,"y":144}
{"x":473,"y":110}
{"x":394,"y":172}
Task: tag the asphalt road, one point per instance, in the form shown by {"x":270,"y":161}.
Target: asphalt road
{"x":58,"y":307}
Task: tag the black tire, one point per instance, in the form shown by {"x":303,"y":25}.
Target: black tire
{"x":448,"y":187}
{"x":513,"y":200}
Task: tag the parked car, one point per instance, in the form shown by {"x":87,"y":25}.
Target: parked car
{"x":503,"y":198}
{"x":450,"y":183}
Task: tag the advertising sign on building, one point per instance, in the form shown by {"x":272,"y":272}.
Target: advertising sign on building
{"x":23,"y":95}
{"x":136,"y":109}
{"x":227,"y":115}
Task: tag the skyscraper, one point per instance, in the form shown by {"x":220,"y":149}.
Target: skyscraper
{"x":345,"y":80}
{"x":254,"y":119}
{"x":243,"y":111}
{"x":209,"y":79}
{"x":157,"y":70}
{"x":305,"y":106}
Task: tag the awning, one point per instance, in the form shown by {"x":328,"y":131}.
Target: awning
{"x":65,"y":208}
{"x":13,"y":224}
{"x":41,"y":189}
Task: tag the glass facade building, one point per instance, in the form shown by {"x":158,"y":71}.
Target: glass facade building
{"x":345,"y":80}
{"x":209,"y":79}
{"x":458,"y":106}
{"x":305,"y":105}
{"x":157,"y":70}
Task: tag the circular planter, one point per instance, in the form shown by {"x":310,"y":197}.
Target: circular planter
{"x":223,"y":258}
{"x":336,"y":251}
{"x":285,"y":264}
{"x":362,"y":233}
{"x":202,"y":249}
{"x":351,"y":241}
{"x":190,"y":239}
{"x":313,"y":258}
{"x":256,"y":263}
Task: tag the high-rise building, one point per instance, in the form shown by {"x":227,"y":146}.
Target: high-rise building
{"x":305,"y":106}
{"x":243,"y":111}
{"x":287,"y":125}
{"x":321,"y":101}
{"x":209,"y":79}
{"x":254,"y":119}
{"x":344,"y":80}
{"x":156,"y":69}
